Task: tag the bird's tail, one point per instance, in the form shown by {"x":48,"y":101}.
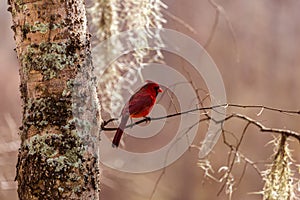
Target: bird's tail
{"x":120,"y":130}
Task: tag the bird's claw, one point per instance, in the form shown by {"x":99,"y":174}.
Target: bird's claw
{"x":147,"y":119}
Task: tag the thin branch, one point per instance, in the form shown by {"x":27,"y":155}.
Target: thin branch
{"x":243,"y":173}
{"x":234,"y":157}
{"x":213,"y":30}
{"x":180,"y":21}
{"x":220,"y":10}
{"x":227,"y":179}
{"x":157,"y":182}
{"x":240,"y":116}
{"x":168,"y":151}
{"x":297,"y":112}
{"x":266,"y":129}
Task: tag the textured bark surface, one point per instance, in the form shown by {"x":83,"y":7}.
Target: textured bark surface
{"x":58,"y":154}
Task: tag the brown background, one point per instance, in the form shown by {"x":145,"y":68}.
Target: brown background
{"x":268,"y":38}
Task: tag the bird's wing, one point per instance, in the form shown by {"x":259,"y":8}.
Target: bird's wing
{"x":141,"y":103}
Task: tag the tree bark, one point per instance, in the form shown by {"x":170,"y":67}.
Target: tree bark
{"x":58,"y":154}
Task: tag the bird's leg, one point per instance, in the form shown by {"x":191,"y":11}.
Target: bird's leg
{"x":131,"y":122}
{"x":147,"y":119}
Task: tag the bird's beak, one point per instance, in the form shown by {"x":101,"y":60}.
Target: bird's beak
{"x":160,"y":90}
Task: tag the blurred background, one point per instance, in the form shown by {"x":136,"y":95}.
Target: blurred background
{"x":259,"y":65}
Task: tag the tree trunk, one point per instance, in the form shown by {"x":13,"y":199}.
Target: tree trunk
{"x":58,"y":154}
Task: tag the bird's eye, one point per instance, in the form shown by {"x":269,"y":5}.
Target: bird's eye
{"x":156,"y":88}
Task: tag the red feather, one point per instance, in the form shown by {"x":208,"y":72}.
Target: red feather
{"x":139,"y":105}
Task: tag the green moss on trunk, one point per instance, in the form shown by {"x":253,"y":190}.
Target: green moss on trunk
{"x":57,"y":158}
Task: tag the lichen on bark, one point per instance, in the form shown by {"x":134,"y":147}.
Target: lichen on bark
{"x":58,"y":154}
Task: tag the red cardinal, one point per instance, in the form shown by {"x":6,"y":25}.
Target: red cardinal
{"x":139,"y":105}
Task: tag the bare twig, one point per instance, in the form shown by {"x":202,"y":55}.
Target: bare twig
{"x":213,"y":30}
{"x":262,"y":128}
{"x":180,"y":21}
{"x":157,"y":182}
{"x":262,"y":107}
{"x":220,"y":10}
{"x":164,"y":169}
{"x":266,"y":129}
{"x":236,"y":148}
{"x":227,"y":179}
